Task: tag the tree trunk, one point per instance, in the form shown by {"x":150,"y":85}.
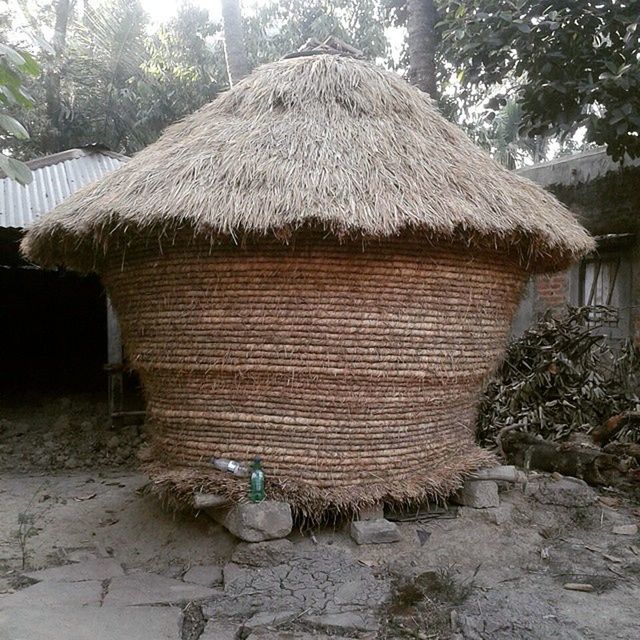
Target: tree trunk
{"x":590,"y":464}
{"x":421,"y":21}
{"x":234,"y":49}
{"x":52,"y":77}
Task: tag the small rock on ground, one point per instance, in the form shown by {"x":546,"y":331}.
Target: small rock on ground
{"x":626,"y":530}
{"x":257,"y":522}
{"x":500,"y":515}
{"x":269,"y":619}
{"x":374,"y":531}
{"x":564,"y":492}
{"x":478,"y":494}
{"x":219,"y":630}
{"x":263,"y":554}
{"x":207,"y":575}
{"x":502,"y":473}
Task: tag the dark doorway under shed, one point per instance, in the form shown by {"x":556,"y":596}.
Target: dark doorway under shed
{"x":53,"y":335}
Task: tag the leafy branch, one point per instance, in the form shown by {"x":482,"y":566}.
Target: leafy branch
{"x":14,"y":64}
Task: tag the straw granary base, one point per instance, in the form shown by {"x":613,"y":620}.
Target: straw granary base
{"x":313,"y":506}
{"x":352,"y":371}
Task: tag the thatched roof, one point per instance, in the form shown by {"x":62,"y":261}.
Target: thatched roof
{"x":322,"y":139}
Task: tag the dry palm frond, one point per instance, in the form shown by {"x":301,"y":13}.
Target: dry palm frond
{"x":561,"y":378}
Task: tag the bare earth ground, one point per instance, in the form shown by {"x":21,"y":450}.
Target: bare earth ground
{"x":125,"y":562}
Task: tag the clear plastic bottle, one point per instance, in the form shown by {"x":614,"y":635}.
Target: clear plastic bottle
{"x":237,"y":468}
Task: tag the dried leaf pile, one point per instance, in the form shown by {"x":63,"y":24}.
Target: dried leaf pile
{"x":562,"y":377}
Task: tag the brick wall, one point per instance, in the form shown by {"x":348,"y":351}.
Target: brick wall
{"x":552,"y":291}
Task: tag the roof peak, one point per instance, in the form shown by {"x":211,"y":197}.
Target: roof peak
{"x":331,"y":46}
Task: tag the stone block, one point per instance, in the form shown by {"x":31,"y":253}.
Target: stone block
{"x":78,"y":622}
{"x":149,"y":588}
{"x":562,"y":492}
{"x":219,"y":630}
{"x":94,"y":569}
{"x":263,"y":554}
{"x":349,"y":622}
{"x":374,"y":531}
{"x":626,"y":530}
{"x":208,"y":575}
{"x":208,"y":501}
{"x":257,"y":521}
{"x":500,"y":515}
{"x":478,"y":494}
{"x":504,"y":473}
{"x":269,"y":619}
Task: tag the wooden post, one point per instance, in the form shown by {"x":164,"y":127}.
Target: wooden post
{"x":114,"y":359}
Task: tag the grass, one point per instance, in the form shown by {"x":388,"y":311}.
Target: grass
{"x":421,"y":607}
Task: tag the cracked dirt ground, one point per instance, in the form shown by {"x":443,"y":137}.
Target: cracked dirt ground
{"x":104,"y":561}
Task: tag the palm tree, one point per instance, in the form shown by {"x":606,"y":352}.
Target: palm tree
{"x":504,"y":140}
{"x":56,"y":140}
{"x":421,"y":20}
{"x":234,"y":47}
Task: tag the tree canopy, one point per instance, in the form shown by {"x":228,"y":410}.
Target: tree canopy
{"x":121,"y":81}
{"x":516,"y":74}
{"x":566,"y":64}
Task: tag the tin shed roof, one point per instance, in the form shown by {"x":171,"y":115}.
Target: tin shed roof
{"x":577,"y":168}
{"x":55,"y":178}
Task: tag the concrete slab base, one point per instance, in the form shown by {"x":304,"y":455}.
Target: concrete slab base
{"x":77,"y":623}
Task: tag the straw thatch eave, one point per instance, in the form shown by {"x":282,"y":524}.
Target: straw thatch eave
{"x":323,"y":140}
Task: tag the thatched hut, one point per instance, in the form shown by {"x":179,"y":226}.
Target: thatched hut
{"x":317,"y":269}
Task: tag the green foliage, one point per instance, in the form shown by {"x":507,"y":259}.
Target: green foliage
{"x":26,"y":530}
{"x":282,"y":26}
{"x":122,"y":82}
{"x":103,"y":76}
{"x":99,"y":96}
{"x":14,"y":65}
{"x":573,"y":64}
{"x":501,"y":137}
{"x":538,"y":70}
{"x":561,"y":377}
{"x":422,"y":604}
{"x":184,"y":68}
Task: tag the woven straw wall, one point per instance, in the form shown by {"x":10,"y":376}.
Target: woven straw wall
{"x":352,"y":372}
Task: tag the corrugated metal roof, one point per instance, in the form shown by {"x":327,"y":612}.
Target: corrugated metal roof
{"x":577,"y":168}
{"x":55,"y":178}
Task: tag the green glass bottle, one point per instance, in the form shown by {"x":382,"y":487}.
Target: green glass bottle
{"x":256,"y":492}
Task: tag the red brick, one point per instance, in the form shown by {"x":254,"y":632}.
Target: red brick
{"x":552,"y":291}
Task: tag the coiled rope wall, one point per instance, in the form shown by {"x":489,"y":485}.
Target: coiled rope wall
{"x":352,"y":371}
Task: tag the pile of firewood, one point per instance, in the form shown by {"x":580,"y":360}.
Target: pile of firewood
{"x":561,"y":382}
